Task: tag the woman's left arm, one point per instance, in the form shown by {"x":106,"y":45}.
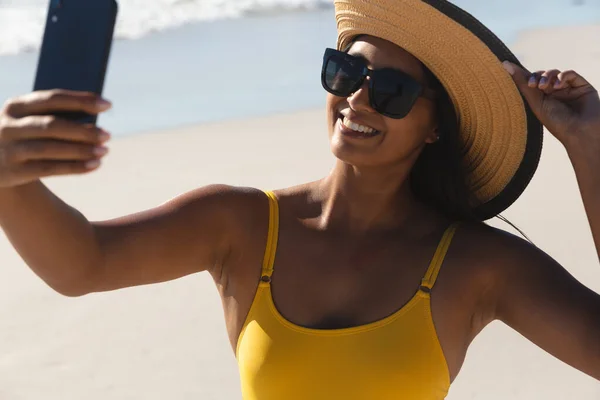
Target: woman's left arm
{"x":539,"y":298}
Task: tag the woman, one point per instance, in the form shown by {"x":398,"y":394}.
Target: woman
{"x":372,"y":282}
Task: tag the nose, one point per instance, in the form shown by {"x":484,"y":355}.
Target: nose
{"x":359,"y":100}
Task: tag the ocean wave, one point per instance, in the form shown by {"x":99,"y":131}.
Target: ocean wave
{"x":22,"y":21}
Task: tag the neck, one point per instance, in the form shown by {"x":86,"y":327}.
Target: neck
{"x":361,"y":200}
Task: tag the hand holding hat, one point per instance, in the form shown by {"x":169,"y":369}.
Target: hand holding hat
{"x":567,"y":104}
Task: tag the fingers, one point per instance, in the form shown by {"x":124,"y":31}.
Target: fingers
{"x":22,"y":161}
{"x":37,"y":138}
{"x":50,"y":127}
{"x":35,"y":150}
{"x":544,"y":80}
{"x":571,"y":79}
{"x":43,"y":169}
{"x":26,"y":161}
{"x":554,"y":80}
{"x":35,"y":144}
{"x":48,"y":102}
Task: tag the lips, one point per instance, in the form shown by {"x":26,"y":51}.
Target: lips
{"x":353,"y":129}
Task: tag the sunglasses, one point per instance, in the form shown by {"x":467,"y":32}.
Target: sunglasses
{"x":392,"y":93}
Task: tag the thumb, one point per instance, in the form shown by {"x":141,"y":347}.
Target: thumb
{"x":520,"y":75}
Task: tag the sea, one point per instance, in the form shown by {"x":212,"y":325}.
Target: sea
{"x":183,"y":62}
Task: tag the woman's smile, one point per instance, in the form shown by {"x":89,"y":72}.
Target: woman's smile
{"x":355,"y":129}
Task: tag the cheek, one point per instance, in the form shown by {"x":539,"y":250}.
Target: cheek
{"x":333,"y":106}
{"x":414,"y":129}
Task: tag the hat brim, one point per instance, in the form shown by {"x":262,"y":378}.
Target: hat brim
{"x":501,"y":138}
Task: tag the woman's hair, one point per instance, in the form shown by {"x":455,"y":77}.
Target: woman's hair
{"x":438,"y":178}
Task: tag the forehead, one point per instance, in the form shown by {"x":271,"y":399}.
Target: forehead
{"x":380,"y":53}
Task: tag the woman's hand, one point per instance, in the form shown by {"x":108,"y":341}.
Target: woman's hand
{"x":564,"y":102}
{"x":34,"y":144}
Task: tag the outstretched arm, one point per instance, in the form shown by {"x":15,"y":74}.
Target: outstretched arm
{"x":192,"y":233}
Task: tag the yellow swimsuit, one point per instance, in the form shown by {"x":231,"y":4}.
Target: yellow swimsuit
{"x":398,"y":357}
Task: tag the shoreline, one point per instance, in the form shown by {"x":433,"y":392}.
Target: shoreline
{"x":523,"y":41}
{"x":178,"y":78}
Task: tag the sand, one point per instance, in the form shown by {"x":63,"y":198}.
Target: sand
{"x":168,"y":341}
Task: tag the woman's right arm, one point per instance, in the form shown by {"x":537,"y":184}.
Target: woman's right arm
{"x":74,"y":256}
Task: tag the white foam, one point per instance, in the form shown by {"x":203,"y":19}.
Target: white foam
{"x":22,"y":21}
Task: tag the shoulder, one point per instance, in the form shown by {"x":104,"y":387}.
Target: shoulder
{"x":485,"y":239}
{"x":496,"y":251}
{"x":231,"y":220}
{"x":223,"y":192}
{"x":534,"y":295}
{"x":236,"y":209}
{"x":493,"y":255}
{"x":504,"y":267}
{"x":221,"y":215}
{"x":228,"y":201}
{"x":244,"y":210}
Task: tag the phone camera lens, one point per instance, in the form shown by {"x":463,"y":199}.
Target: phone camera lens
{"x":56,"y":3}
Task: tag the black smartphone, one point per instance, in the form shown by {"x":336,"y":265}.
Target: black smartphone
{"x":76,"y":48}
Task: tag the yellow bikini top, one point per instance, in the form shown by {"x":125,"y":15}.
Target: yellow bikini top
{"x":398,"y":357}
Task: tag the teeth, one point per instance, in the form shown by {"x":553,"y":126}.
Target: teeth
{"x":356,"y":127}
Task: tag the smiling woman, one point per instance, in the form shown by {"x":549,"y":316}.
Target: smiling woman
{"x":437,"y":178}
{"x":372,"y":282}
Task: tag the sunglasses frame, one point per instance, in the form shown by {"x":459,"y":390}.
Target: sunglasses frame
{"x":421,"y":91}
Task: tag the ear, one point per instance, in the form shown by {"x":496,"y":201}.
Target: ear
{"x":434,"y":136}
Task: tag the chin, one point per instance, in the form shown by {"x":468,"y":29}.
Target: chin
{"x":357,"y":157}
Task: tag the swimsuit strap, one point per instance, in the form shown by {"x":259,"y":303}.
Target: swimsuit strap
{"x":271,"y":248}
{"x":428,"y":281}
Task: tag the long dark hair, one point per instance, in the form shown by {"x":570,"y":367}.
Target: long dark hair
{"x":438,"y":178}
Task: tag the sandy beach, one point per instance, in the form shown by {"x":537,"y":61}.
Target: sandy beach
{"x":168,"y":341}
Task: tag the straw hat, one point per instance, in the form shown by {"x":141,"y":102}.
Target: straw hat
{"x":501,"y":138}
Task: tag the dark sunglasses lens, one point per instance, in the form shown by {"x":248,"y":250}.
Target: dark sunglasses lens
{"x":393,"y":93}
{"x":341,"y":76}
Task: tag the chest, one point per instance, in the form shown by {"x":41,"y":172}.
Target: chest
{"x":325,"y":282}
{"x":339,"y":282}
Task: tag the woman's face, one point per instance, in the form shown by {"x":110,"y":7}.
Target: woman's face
{"x":397,"y":140}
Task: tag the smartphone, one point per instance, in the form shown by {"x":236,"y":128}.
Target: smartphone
{"x":76,"y":48}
